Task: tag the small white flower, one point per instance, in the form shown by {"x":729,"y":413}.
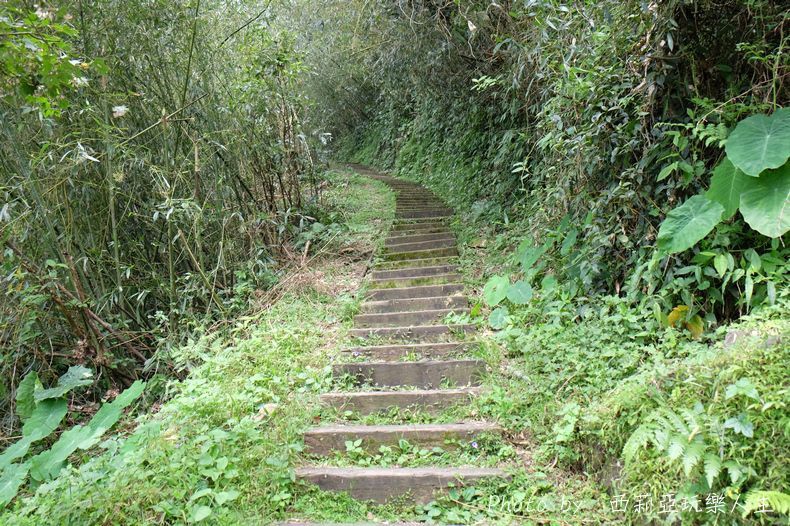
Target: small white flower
{"x":119,"y":111}
{"x":79,"y":82}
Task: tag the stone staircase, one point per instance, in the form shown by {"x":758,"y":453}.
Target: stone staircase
{"x":413,"y":360}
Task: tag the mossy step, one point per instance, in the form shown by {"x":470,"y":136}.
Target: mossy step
{"x":408,"y":247}
{"x":421,"y":231}
{"x":443,"y":252}
{"x":392,"y":283}
{"x":423,"y":375}
{"x":417,"y":238}
{"x":414,"y":263}
{"x":401,"y":221}
{"x":421,"y":291}
{"x":414,"y":272}
{"x":429,"y":213}
{"x":323,"y":441}
{"x":455,"y":302}
{"x":430,"y":401}
{"x":401,"y":319}
{"x":419,"y":485}
{"x":416,"y":333}
{"x":419,"y":350}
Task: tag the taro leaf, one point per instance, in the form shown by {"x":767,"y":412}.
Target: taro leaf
{"x":760,"y":142}
{"x":498,"y":318}
{"x":766,"y":205}
{"x":76,"y":376}
{"x":685,"y":225}
{"x":44,"y":420}
{"x":519,"y":293}
{"x":495,"y":290}
{"x":25,"y":403}
{"x":46,"y":465}
{"x":11,"y":479}
{"x":726,"y":187}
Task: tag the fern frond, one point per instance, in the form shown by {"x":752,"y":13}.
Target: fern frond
{"x":712,"y":468}
{"x":774,"y":501}
{"x":638,"y":439}
{"x":693,"y":455}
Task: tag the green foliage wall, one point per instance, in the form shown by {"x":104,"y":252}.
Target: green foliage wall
{"x":594,"y":118}
{"x":151,"y":172}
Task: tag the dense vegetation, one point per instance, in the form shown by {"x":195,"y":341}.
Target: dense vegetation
{"x":620,"y":173}
{"x":153,"y":175}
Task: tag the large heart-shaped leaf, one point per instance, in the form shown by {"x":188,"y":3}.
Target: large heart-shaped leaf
{"x":495,"y":290}
{"x":44,"y":420}
{"x":498,"y":318}
{"x":25,"y":403}
{"x":12,"y":478}
{"x":766,"y":206}
{"x":519,"y":293}
{"x":76,"y":376}
{"x":726,"y":187}
{"x":46,"y":465}
{"x":687,"y":224}
{"x":760,"y":142}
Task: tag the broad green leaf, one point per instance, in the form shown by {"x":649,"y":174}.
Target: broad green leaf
{"x":76,"y":376}
{"x":13,"y":477}
{"x":726,"y":187}
{"x":720,"y":264}
{"x":668,"y":169}
{"x":44,"y":420}
{"x":498,"y":318}
{"x":199,"y":513}
{"x":528,"y":255}
{"x":226,"y":496}
{"x":742,"y":387}
{"x":741,"y":425}
{"x":685,"y":225}
{"x":25,"y":403}
{"x":519,"y":293}
{"x":760,"y":142}
{"x":766,"y":205}
{"x":46,"y":465}
{"x":495,"y":290}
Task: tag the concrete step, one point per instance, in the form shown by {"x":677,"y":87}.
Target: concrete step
{"x":414,"y":263}
{"x":414,"y":272}
{"x":322,"y":441}
{"x":422,"y":291}
{"x":419,"y":350}
{"x":443,"y":252}
{"x":412,"y":221}
{"x":381,"y":485}
{"x":428,"y":229}
{"x":417,"y":238}
{"x":402,"y":319}
{"x":429,"y":400}
{"x":456,"y":303}
{"x":399,"y":283}
{"x":424,"y":214}
{"x":417,"y":333}
{"x":398,"y":248}
{"x":423,"y":375}
{"x":400,"y":226}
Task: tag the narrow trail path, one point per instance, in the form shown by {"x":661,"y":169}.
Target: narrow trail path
{"x":413,"y":360}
